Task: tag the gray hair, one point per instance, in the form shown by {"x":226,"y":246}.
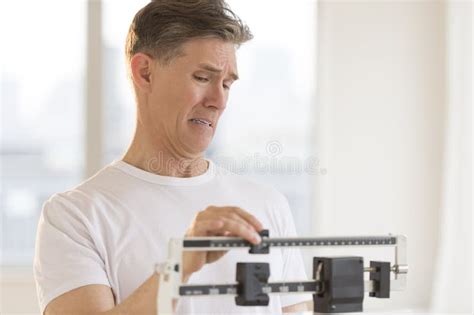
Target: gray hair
{"x":161,"y":27}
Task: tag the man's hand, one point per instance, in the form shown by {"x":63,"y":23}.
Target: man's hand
{"x":218,"y":221}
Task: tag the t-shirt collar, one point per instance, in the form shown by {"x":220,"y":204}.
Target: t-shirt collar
{"x":166,"y":180}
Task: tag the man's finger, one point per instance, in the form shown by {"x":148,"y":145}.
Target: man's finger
{"x":207,"y":227}
{"x":241,"y":230}
{"x":229,"y":212}
{"x":234,"y":216}
{"x":250,"y":218}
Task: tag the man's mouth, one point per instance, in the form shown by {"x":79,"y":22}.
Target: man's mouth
{"x":201,"y":121}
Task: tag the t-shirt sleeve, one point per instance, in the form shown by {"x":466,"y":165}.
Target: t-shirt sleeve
{"x":293,"y":267}
{"x":66,"y":256}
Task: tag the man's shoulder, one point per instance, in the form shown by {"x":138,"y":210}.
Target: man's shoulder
{"x":86,"y":194}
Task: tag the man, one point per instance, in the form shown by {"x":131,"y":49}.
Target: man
{"x":97,"y":244}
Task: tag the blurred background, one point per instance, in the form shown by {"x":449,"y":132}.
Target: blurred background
{"x":359,"y":112}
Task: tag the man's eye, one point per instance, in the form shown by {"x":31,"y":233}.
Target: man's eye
{"x":201,"y":79}
{"x":226,"y":87}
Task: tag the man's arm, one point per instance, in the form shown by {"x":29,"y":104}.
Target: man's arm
{"x":98,"y":299}
{"x":300,"y":307}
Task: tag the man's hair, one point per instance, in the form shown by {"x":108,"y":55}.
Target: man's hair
{"x":161,"y":27}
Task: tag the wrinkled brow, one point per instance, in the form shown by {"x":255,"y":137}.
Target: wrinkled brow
{"x":211,"y":68}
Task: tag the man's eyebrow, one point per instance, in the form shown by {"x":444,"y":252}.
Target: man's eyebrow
{"x":211,"y":68}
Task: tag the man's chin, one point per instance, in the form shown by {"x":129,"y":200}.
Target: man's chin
{"x":199,"y":147}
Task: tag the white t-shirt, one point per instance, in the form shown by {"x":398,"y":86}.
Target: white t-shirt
{"x":113,"y":228}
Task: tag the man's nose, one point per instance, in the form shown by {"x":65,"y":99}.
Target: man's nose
{"x":216,"y":97}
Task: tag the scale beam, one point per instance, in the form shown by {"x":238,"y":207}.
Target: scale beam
{"x":330,"y":275}
{"x":220,"y":243}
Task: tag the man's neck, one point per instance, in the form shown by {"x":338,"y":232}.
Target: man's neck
{"x":159,"y":160}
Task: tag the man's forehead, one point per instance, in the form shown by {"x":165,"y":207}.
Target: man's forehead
{"x":212,"y":55}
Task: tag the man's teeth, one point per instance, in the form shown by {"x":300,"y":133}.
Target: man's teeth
{"x":202,"y":122}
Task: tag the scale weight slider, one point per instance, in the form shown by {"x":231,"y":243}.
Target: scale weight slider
{"x":251,"y":278}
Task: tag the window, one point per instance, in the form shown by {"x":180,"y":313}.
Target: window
{"x":119,"y":105}
{"x":265,"y":132}
{"x":42,"y":73}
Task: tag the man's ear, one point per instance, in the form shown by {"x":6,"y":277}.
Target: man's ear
{"x":141,"y":67}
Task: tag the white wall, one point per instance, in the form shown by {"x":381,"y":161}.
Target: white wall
{"x":382,"y":96}
{"x":17,"y":291}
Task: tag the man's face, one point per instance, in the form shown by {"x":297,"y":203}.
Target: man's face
{"x":189,"y":95}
